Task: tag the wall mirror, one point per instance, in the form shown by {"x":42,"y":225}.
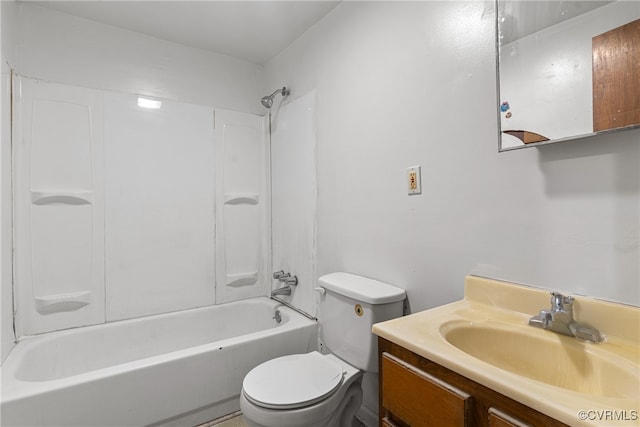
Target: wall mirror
{"x":566,"y":70}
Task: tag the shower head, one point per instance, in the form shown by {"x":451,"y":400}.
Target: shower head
{"x":267,"y":101}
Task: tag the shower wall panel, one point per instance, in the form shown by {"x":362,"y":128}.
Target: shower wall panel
{"x":159,"y":207}
{"x":124,"y":211}
{"x":294,"y":195}
{"x":242,"y":188}
{"x":59,"y":210}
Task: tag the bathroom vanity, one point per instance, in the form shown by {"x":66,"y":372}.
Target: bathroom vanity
{"x":478,"y":362}
{"x":411,"y":386}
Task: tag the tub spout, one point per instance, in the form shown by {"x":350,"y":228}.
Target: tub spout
{"x":285,"y":290}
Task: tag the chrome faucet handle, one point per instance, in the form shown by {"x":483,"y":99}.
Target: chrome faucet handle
{"x":291,"y":281}
{"x":284,"y":277}
{"x":539,"y":321}
{"x":278,"y":274}
{"x":559,"y":301}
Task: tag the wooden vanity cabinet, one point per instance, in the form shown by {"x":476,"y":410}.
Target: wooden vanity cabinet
{"x":416,"y":392}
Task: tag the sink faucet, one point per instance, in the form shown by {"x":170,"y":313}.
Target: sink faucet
{"x":560,"y":319}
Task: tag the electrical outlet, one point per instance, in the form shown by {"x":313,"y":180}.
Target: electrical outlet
{"x":413,"y":180}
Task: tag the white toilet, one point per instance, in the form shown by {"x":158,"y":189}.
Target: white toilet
{"x":316,"y":390}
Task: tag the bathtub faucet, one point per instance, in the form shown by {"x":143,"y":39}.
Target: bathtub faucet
{"x":285,"y":290}
{"x":288,"y":281}
{"x":286,"y":278}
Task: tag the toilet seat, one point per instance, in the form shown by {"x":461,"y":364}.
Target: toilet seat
{"x":293,"y":381}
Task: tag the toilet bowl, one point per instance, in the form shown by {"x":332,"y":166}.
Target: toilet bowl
{"x":302,"y":390}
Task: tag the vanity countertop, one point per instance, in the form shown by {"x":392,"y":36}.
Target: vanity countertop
{"x":602,"y":397}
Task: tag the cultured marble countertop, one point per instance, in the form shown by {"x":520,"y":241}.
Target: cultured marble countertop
{"x":510,"y":306}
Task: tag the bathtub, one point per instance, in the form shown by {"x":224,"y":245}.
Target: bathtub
{"x":180,"y":368}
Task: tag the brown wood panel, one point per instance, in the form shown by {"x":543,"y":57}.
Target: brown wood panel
{"x":526,"y":136}
{"x":483,"y":398}
{"x":616,"y":77}
{"x":497,"y":418}
{"x":419,"y":399}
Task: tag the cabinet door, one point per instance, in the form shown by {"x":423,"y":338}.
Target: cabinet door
{"x":616,"y":81}
{"x":420,"y":399}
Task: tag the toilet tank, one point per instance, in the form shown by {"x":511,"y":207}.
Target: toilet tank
{"x":347,"y":311}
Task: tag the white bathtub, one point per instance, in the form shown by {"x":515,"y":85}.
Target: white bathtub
{"x":179,"y":368}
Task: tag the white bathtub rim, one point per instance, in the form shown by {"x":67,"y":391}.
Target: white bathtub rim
{"x":13,"y":388}
{"x":61,"y":332}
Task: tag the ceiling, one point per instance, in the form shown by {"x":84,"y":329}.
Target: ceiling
{"x":252,"y":30}
{"x":258,"y":30}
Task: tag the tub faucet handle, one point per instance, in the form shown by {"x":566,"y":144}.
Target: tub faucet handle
{"x":278,"y":274}
{"x":284,"y":277}
{"x":291,"y":281}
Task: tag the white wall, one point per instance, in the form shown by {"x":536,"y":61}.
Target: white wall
{"x":8,"y":13}
{"x":398,"y":84}
{"x":406,"y":83}
{"x":66,"y":49}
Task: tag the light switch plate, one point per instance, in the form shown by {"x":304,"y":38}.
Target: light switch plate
{"x":414,"y":185}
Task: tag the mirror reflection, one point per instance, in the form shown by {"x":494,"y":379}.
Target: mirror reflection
{"x":566,"y":69}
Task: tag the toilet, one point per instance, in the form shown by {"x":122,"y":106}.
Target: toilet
{"x":324,"y":390}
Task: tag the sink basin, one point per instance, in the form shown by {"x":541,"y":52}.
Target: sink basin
{"x":547,"y":357}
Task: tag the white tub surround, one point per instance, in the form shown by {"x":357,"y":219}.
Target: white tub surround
{"x":242,"y":187}
{"x":180,"y":368}
{"x":294,"y":194}
{"x":117,"y":200}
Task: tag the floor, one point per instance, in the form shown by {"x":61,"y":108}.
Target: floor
{"x":232,"y":420}
{"x":237,"y":420}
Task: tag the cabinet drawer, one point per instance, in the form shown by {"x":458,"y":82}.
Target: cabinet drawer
{"x":497,"y":418}
{"x":419,"y":399}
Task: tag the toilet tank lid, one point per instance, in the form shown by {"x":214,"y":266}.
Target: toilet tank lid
{"x":361,"y":288}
